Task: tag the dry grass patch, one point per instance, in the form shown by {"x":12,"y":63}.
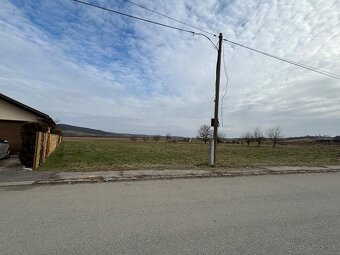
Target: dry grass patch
{"x":94,"y":155}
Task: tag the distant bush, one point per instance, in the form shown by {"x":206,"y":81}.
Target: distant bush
{"x":28,"y":134}
{"x":156,"y":137}
{"x":56,"y":132}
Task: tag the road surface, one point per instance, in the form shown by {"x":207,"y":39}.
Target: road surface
{"x":286,"y":214}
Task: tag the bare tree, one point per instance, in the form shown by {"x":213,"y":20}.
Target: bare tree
{"x":258,"y":136}
{"x":274,"y":134}
{"x":205,"y":133}
{"x":248,"y":137}
{"x":156,"y":137}
{"x":145,"y":138}
{"x":220,"y":137}
{"x":168,"y":136}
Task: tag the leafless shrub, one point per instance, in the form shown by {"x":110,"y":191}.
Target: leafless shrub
{"x":274,"y":134}
{"x":205,"y":133}
{"x":248,"y":137}
{"x":156,"y":137}
{"x":220,"y":137}
{"x":258,"y":136}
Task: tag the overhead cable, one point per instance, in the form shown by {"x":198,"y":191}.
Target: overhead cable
{"x":313,"y":69}
{"x":226,"y":85}
{"x":134,"y":17}
{"x":335,"y":76}
{"x":166,"y":16}
{"x":146,"y":20}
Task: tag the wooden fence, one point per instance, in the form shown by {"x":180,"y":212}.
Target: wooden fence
{"x":45,"y":144}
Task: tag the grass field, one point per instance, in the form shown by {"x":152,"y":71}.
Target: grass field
{"x":105,"y":154}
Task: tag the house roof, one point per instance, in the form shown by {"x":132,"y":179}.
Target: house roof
{"x":42,"y":115}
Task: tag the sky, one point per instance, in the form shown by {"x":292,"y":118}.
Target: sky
{"x":96,"y":69}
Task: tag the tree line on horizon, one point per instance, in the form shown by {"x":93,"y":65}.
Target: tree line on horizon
{"x":205,"y":133}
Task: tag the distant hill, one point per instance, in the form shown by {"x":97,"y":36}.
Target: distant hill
{"x":69,"y":130}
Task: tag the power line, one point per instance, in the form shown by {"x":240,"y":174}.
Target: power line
{"x":335,"y":76}
{"x":134,"y":17}
{"x":226,"y":85}
{"x":267,"y":54}
{"x":214,"y":45}
{"x":166,"y":16}
{"x":146,"y":20}
{"x":258,"y":51}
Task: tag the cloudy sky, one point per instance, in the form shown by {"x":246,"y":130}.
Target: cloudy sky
{"x":96,"y":69}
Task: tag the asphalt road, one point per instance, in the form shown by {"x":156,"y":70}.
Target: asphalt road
{"x":286,"y":214}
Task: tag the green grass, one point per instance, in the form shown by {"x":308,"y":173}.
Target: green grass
{"x":92,"y":155}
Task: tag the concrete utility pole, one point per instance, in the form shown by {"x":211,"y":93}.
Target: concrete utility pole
{"x":217,"y":96}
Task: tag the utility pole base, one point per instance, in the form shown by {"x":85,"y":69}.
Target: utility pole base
{"x":211,"y":154}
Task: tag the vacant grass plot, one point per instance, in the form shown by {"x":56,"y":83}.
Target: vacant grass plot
{"x":103,"y":154}
{"x":93,"y":155}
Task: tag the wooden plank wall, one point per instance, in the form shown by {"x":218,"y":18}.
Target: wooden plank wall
{"x":45,"y":144}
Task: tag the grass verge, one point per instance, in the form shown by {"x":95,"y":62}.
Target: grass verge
{"x":94,"y":155}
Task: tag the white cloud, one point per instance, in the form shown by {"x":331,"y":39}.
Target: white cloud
{"x":92,"y":68}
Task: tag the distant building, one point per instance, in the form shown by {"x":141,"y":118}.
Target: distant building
{"x":13,"y":115}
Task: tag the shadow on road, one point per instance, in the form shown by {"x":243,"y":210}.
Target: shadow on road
{"x":11,"y":170}
{"x":12,"y":163}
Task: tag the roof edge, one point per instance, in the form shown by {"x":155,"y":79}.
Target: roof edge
{"x":44,"y":116}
